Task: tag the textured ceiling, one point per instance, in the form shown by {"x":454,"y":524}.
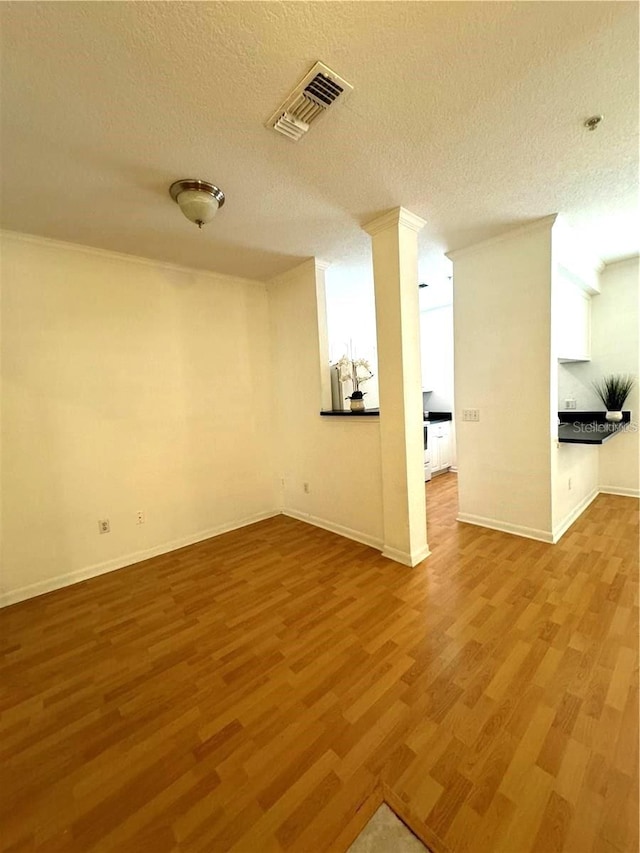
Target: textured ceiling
{"x":468,"y":114}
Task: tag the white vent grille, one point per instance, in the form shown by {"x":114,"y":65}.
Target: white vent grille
{"x":291,"y":126}
{"x":315,"y":93}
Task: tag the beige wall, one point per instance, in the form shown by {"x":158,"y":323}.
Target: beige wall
{"x":338,"y":457}
{"x":502,"y":307}
{"x":126,"y":385}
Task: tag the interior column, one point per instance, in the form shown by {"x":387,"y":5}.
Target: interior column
{"x":395,"y":269}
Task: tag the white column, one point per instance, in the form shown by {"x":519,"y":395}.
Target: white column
{"x":395,"y":270}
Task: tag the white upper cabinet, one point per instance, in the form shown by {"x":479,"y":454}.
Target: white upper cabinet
{"x":572,"y":320}
{"x":575,"y":281}
{"x":436,"y":349}
{"x":426,"y":352}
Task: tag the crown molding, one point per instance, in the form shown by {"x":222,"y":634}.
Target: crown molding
{"x":310,"y":265}
{"x":108,"y":254}
{"x":625,"y":260}
{"x":546,"y":223}
{"x":392,"y":219}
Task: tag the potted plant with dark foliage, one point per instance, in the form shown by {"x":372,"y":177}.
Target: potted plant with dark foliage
{"x":613,"y":390}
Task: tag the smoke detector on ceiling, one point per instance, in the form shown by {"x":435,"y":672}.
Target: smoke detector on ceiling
{"x":313,"y":96}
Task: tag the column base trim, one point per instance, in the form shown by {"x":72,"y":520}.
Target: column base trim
{"x":405,"y":557}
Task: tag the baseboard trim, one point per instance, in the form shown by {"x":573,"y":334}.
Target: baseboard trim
{"x":505,"y":527}
{"x":614,"y":490}
{"x":70,"y":578}
{"x":347,"y":532}
{"x":394,"y":554}
{"x":560,"y":529}
{"x":405,"y":557}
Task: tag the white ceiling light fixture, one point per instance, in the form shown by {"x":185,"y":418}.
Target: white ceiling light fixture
{"x":198,"y":200}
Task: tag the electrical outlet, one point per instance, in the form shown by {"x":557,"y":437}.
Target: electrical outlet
{"x":104,"y":526}
{"x":140,"y":517}
{"x":570,"y":404}
{"x":306,"y":489}
{"x":471,"y":415}
{"x":570,"y":484}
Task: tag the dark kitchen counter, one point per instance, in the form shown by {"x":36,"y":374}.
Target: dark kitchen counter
{"x":434,"y":417}
{"x":589,"y":427}
{"x":437,"y":417}
{"x":375,"y":413}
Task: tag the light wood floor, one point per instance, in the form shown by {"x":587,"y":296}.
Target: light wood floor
{"x":250,"y":693}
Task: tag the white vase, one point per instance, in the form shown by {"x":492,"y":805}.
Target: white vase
{"x":613,"y":417}
{"x":357,"y":405}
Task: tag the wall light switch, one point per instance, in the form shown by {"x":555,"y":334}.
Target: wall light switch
{"x":471,"y":415}
{"x":570,"y":404}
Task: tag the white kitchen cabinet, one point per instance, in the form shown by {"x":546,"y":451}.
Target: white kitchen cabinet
{"x":572,"y":321}
{"x":436,"y":350}
{"x":440,"y":446}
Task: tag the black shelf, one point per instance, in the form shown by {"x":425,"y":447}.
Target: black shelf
{"x":589,"y":427}
{"x":371,"y":413}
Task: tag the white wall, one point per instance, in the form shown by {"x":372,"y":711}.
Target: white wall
{"x":338,"y":457}
{"x":574,"y":383}
{"x":436,"y":332}
{"x":351,"y":319}
{"x":616,"y":350}
{"x":126,"y":385}
{"x":615,"y":321}
{"x":502,"y":308}
{"x":575,"y":474}
{"x":574,"y":468}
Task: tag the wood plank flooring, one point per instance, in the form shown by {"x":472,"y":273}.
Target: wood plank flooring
{"x":252,"y":692}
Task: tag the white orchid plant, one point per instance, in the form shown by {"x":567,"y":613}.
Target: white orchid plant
{"x":356,"y":370}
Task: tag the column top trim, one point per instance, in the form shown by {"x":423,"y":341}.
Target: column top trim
{"x":394,"y":218}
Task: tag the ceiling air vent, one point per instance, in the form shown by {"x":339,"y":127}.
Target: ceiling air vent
{"x":315,"y":93}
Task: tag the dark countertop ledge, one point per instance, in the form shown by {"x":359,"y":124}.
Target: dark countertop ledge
{"x":372,"y":413}
{"x":434,"y":417}
{"x":589,"y":427}
{"x":438,"y":417}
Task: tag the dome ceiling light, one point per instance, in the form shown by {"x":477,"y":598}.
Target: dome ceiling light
{"x":198,"y":200}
